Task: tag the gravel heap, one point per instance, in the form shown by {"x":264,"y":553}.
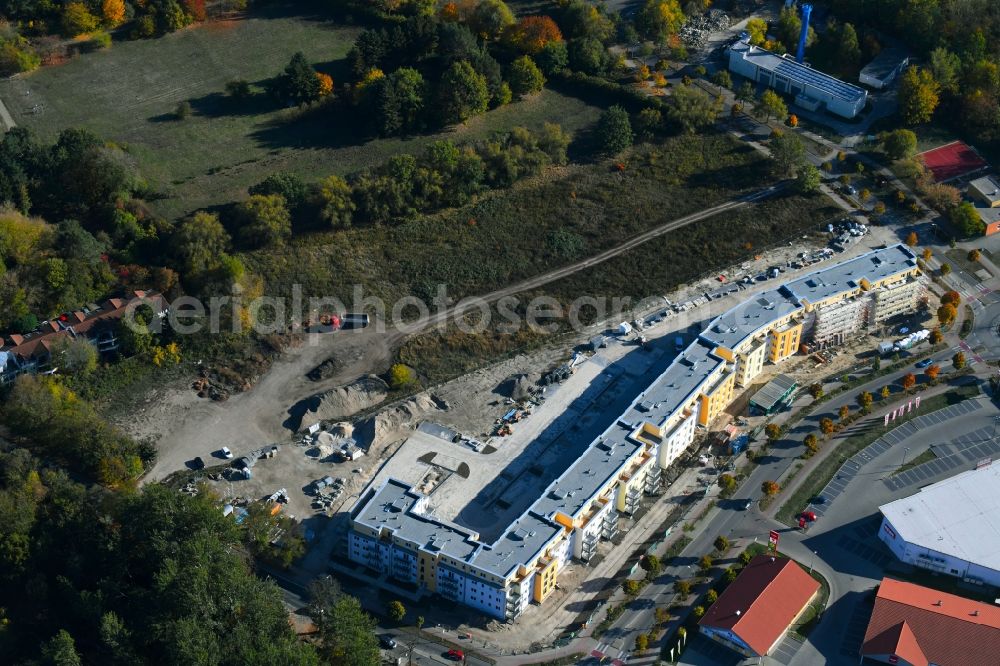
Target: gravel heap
{"x":695,"y":32}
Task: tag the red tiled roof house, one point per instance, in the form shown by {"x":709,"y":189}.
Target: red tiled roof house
{"x":912,"y":625}
{"x":752,"y":615}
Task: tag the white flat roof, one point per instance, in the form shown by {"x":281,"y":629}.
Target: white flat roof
{"x":959,"y":517}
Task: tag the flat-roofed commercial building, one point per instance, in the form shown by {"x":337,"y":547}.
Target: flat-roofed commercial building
{"x":951,"y":527}
{"x":394,"y":532}
{"x":811,"y":88}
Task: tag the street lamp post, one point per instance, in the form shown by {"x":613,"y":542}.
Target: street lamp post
{"x":905,"y":451}
{"x":812,"y":561}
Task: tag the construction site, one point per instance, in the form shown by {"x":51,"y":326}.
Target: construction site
{"x":481,"y":449}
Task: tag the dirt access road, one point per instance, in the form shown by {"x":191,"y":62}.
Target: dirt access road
{"x":188,"y":426}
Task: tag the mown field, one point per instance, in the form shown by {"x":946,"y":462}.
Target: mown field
{"x":566,"y":214}
{"x":129,"y":92}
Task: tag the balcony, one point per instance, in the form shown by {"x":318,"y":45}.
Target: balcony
{"x":653,"y":479}
{"x":609,"y":530}
{"x":632,"y":499}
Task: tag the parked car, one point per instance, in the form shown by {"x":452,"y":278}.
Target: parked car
{"x":455,"y":655}
{"x":387,"y":642}
{"x":810,"y":516}
{"x":819,"y":499}
{"x":924,"y":363}
{"x":226,"y":453}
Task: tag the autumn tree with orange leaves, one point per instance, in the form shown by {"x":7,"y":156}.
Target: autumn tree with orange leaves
{"x":531,"y":34}
{"x":113,"y":12}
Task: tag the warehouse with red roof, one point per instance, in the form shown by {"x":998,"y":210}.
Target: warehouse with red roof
{"x":752,"y":615}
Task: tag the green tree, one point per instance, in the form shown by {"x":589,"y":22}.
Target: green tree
{"x":966,"y":220}
{"x":728,"y":484}
{"x":745,"y":558}
{"x":525,"y":78}
{"x":770,"y":488}
{"x":848,"y":48}
{"x":395,"y":610}
{"x":958,"y":361}
{"x":682,"y":588}
{"x":651,"y":564}
{"x":334,"y":201}
{"x":200,"y":242}
{"x":705,"y":562}
{"x":721,"y":543}
{"x":463,"y":93}
{"x":770,"y":105}
{"x":787,"y":152}
{"x":826,"y":425}
{"x":946,"y":68}
{"x":757,"y":29}
{"x":263,"y":220}
{"x":553,"y":58}
{"x":630,"y":587}
{"x":238,"y":89}
{"x":74,"y":356}
{"x":722,"y":79}
{"x":587,"y":55}
{"x":865,"y":401}
{"x":918,"y":95}
{"x":77,"y":20}
{"x":659,"y":19}
{"x":745,"y":92}
{"x":899,"y":144}
{"x":711,"y":597}
{"x":60,"y":650}
{"x":288,"y":185}
{"x":398,"y":102}
{"x":347,"y":634}
{"x":811,"y":442}
{"x":298,"y":84}
{"x":808,"y":179}
{"x":641,"y":643}
{"x":614,"y":130}
{"x":490,"y":18}
{"x":698,"y":612}
{"x":693,"y":109}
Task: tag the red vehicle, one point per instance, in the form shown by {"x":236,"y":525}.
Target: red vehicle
{"x":809,"y":515}
{"x":455,"y":655}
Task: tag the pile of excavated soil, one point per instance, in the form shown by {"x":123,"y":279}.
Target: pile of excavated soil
{"x":343,"y":401}
{"x":372,"y":432}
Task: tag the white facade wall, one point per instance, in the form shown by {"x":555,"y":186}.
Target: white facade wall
{"x":591,"y":530}
{"x":677,"y":440}
{"x":751,"y":363}
{"x":750,"y":69}
{"x":925,"y":558}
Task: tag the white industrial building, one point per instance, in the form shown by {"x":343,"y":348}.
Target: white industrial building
{"x":883,"y":70}
{"x":811,"y":88}
{"x":951,"y":527}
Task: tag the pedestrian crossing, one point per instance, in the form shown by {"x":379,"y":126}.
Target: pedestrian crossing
{"x":605,"y":650}
{"x":971,"y":357}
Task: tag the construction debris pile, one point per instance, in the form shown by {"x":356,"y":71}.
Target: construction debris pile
{"x":696,"y":31}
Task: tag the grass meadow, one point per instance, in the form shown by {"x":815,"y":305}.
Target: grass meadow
{"x":128,"y":94}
